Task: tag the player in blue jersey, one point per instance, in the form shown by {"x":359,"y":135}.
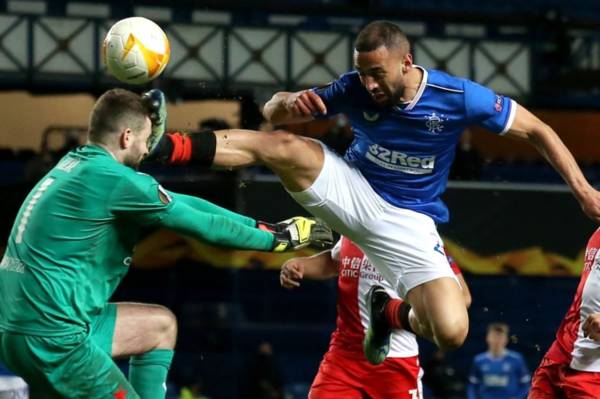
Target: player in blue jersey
{"x":498,"y":373}
{"x":384,"y":194}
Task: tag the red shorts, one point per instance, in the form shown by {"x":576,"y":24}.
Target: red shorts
{"x":352,"y":377}
{"x":554,"y":380}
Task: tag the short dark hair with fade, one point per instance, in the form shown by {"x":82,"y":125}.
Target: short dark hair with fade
{"x":115,"y":110}
{"x":381,"y":33}
{"x":498,"y":327}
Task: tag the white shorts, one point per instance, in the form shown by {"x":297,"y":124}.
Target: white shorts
{"x":403,"y":244}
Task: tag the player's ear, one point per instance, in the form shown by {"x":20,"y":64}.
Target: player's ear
{"x":125,"y":138}
{"x":407,"y":62}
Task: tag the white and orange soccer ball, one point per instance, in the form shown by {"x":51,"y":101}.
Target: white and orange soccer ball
{"x":136,"y":50}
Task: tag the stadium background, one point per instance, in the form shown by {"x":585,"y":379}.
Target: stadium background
{"x":515,"y":229}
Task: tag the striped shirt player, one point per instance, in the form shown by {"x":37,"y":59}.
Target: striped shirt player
{"x":344,"y":372}
{"x":571,"y":367}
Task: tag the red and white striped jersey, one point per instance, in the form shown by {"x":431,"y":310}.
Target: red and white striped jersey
{"x":356,"y":276}
{"x":570,"y":346}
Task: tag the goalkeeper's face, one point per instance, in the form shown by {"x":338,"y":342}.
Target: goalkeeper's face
{"x":137,"y":148}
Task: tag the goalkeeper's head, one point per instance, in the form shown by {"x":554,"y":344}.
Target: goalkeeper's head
{"x":120,"y":123}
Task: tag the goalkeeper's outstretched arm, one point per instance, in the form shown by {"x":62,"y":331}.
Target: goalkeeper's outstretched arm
{"x":216,"y":229}
{"x":220,"y":227}
{"x":203,"y":205}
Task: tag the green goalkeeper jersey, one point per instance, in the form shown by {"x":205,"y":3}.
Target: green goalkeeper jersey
{"x":73,"y":239}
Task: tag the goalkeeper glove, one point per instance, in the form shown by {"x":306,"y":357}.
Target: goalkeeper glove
{"x":157,"y":104}
{"x":298,"y":232}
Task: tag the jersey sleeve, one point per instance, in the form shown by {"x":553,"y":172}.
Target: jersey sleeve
{"x":334,"y":95}
{"x":208,"y":207}
{"x":140,"y":197}
{"x":524,"y":378}
{"x":474,"y":373}
{"x":216,"y":229}
{"x":485,"y":108}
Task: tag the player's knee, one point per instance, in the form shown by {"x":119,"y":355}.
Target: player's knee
{"x":280,"y":146}
{"x":453,"y":336}
{"x":451,"y":342}
{"x":166,"y":328}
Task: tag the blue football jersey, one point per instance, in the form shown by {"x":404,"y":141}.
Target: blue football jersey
{"x":504,"y":377}
{"x":405,"y":152}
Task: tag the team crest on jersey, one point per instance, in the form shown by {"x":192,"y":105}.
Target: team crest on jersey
{"x":498,"y":103}
{"x":435,"y":122}
{"x":371,"y":117}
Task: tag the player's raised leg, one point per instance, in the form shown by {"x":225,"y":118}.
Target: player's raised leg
{"x":296,"y":160}
{"x":148,"y":334}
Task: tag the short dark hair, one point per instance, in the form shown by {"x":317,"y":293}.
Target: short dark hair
{"x":498,"y":327}
{"x":115,"y":110}
{"x":381,"y":33}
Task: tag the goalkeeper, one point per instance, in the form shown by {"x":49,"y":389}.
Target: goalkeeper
{"x":72,"y":243}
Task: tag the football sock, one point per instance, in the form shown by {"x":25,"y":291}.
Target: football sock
{"x":148,"y":373}
{"x":396,"y":314}
{"x":198,"y":147}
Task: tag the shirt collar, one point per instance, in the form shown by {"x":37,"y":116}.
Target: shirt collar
{"x":420,"y":91}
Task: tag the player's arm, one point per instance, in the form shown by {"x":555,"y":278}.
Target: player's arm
{"x":524,"y":379}
{"x":140,"y":199}
{"x":203,"y":205}
{"x":527,"y":126}
{"x":216,"y":229}
{"x":294,"y":107}
{"x":472,"y":391}
{"x":221,"y":230}
{"x":317,"y":267}
{"x":474,"y":381}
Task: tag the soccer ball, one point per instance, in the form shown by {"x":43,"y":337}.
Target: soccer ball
{"x":136,"y":50}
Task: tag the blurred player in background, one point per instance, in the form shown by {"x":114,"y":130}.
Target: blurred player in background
{"x":72,"y":243}
{"x":385,"y":193}
{"x":571,"y":367}
{"x":344,"y":371}
{"x":498,"y":373}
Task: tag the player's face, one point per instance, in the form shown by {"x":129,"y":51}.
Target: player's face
{"x":138,"y":147}
{"x":497,"y":340}
{"x":381,"y":72}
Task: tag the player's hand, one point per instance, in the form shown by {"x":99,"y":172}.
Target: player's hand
{"x":305,"y":103}
{"x":291,"y":273}
{"x":155,"y":101}
{"x":591,"y":327}
{"x":299,"y":232}
{"x":590,"y":203}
